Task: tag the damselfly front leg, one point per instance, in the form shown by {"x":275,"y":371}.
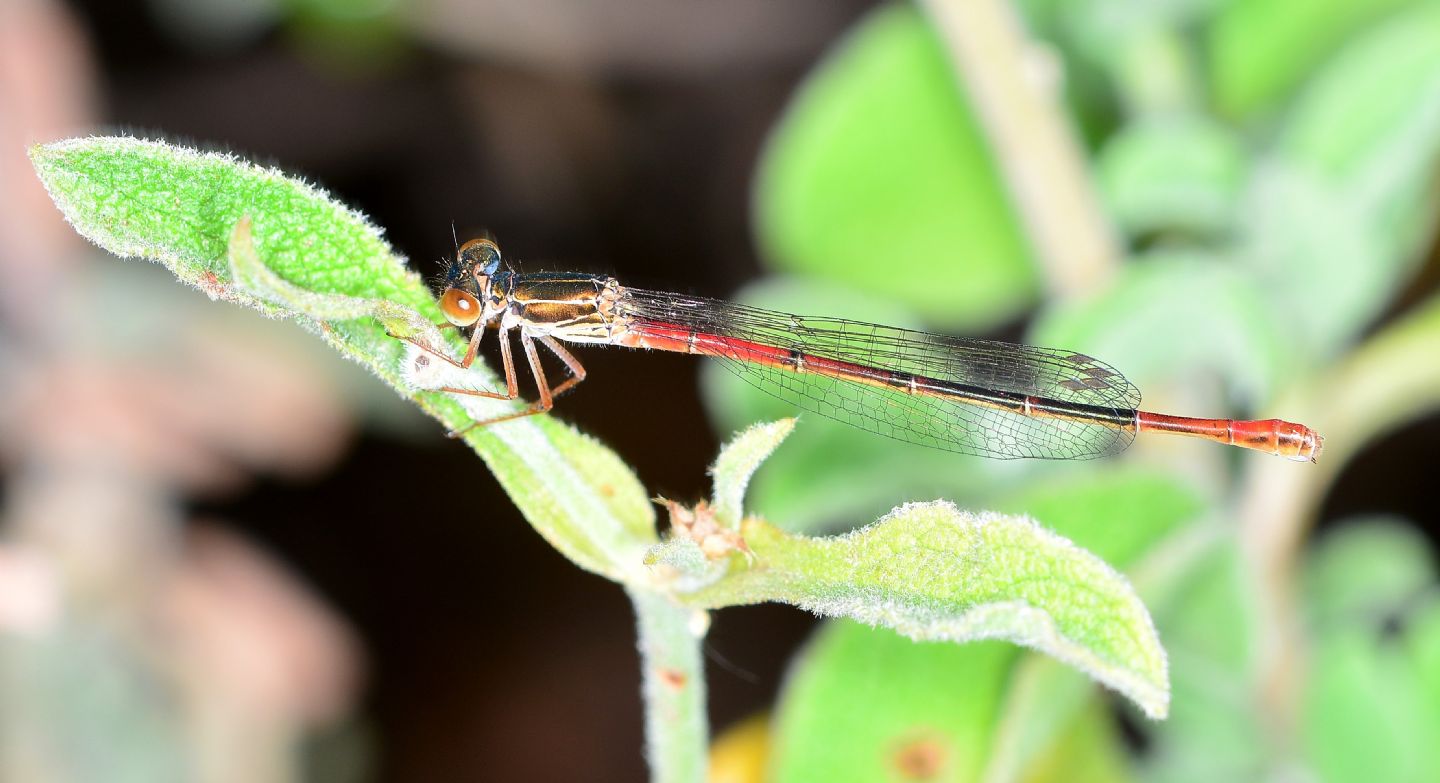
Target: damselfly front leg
{"x":542,"y":385}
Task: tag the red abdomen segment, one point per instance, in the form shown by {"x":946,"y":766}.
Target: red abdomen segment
{"x":1272,"y":436}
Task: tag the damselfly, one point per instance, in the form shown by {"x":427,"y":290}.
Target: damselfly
{"x":982,"y":397}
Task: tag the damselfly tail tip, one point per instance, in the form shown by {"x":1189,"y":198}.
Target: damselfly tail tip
{"x":1300,"y":443}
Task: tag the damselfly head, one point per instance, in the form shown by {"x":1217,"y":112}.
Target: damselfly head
{"x":468,"y":282}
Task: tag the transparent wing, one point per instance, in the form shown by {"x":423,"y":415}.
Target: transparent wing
{"x":928,"y":420}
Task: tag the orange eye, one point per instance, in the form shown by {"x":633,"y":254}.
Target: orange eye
{"x":460,"y":308}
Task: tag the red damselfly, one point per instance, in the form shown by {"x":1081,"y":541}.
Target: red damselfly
{"x":960,"y":394}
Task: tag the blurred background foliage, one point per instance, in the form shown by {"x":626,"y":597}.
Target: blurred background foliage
{"x":209,"y":574}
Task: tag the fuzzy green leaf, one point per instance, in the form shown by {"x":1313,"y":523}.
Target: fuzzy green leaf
{"x":300,"y":254}
{"x":933,"y":572}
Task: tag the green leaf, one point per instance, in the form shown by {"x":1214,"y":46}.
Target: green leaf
{"x":1262,"y":49}
{"x":1371,"y":711}
{"x":1423,"y":642}
{"x":1090,"y":748}
{"x":1323,"y":260}
{"x":1340,"y":215}
{"x":323,"y":266}
{"x":1369,"y":570}
{"x":1173,"y":174}
{"x":737,"y":463}
{"x":1043,"y":702}
{"x":867,"y":704}
{"x":879,"y":176}
{"x":933,"y":572}
{"x":1116,"y":513}
{"x":1366,"y":716}
{"x":1208,"y":619}
{"x":1371,"y":98}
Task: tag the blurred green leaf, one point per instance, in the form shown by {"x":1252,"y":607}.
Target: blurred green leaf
{"x":1370,"y":706}
{"x":1206,"y":614}
{"x":1365,"y":718}
{"x":1368,"y":571}
{"x":1043,"y":700}
{"x":933,"y":572}
{"x":83,"y":704}
{"x":868,"y":704}
{"x":1323,"y":261}
{"x":1262,"y":49}
{"x":879,"y":176}
{"x":1382,"y":385}
{"x":1423,"y":640}
{"x":1340,"y":214}
{"x":1117,"y":513}
{"x":1090,"y":749}
{"x":1176,"y":174}
{"x":1372,"y":96}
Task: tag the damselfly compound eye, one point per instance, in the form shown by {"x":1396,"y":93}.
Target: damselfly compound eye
{"x":459,"y":307}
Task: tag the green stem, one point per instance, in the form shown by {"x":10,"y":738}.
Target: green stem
{"x":676,"y":728}
{"x":1025,"y":123}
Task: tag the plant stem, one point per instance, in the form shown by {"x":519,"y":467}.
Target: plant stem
{"x":676,"y":728}
{"x":1043,"y":164}
{"x":1378,"y":388}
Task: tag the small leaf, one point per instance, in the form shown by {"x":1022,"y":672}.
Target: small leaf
{"x":1364,"y":105}
{"x":1261,"y":49}
{"x":932,"y":572}
{"x":867,"y":704}
{"x":737,"y":463}
{"x":1368,"y":570}
{"x":879,"y":176}
{"x":1323,"y":260}
{"x":1177,"y":173}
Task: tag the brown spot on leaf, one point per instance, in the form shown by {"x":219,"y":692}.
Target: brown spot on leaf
{"x":921,"y":757}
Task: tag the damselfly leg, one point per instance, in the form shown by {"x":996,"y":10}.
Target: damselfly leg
{"x":544,"y":391}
